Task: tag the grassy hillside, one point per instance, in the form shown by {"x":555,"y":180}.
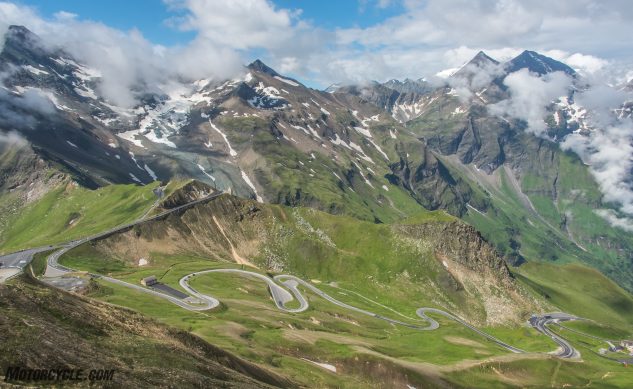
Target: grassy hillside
{"x":43,"y":327}
{"x":580,"y":290}
{"x":427,"y":259}
{"x":70,"y":211}
{"x":366,"y":352}
{"x":399,"y":263}
{"x":548,"y":215}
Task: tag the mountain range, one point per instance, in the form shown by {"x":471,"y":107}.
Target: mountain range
{"x":373,"y":151}
{"x":301,"y":162}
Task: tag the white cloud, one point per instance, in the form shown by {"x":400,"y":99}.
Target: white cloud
{"x":473,"y":77}
{"x":585,"y":63}
{"x":616,"y":221}
{"x":608,"y":150}
{"x":426,"y":38}
{"x":11,"y":138}
{"x":241,"y":24}
{"x":588,"y":35}
{"x":530,"y":96}
{"x":18,"y":112}
{"x":128,"y":63}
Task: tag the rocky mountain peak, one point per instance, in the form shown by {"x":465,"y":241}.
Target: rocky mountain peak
{"x":408,"y":85}
{"x":20,"y":39}
{"x":482,"y":58}
{"x":478,"y":62}
{"x":260,"y":66}
{"x":537,"y":63}
{"x":20,"y":33}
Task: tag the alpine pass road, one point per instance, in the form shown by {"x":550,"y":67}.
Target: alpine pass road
{"x":540,"y":324}
{"x":283,"y":289}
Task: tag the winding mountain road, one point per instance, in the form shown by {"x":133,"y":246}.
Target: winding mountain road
{"x":283,"y":289}
{"x":540,"y":324}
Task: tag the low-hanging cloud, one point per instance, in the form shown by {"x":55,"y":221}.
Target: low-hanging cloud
{"x":530,"y":95}
{"x":473,"y":77}
{"x":607,"y":148}
{"x":128,"y":63}
{"x":19,"y":111}
{"x":614,"y":220}
{"x":11,"y":138}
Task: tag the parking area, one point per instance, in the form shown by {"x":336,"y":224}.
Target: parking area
{"x":169,"y":290}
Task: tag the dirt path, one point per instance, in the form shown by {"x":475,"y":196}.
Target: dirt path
{"x":240,"y":260}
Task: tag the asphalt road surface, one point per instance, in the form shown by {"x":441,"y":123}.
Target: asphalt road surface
{"x":22,"y":258}
{"x":540,"y":324}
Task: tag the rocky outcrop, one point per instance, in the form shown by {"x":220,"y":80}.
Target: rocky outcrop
{"x":461,"y":243}
{"x":191,"y":191}
{"x":210,"y":229}
{"x":472,"y":271}
{"x":433,"y":184}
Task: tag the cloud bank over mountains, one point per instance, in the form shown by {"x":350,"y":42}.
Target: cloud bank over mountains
{"x":126,"y":61}
{"x":427,"y":37}
{"x":530,"y":96}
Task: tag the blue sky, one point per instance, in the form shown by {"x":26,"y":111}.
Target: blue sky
{"x":149,"y":16}
{"x":146,"y":15}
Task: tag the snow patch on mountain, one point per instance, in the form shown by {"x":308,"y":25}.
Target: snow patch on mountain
{"x":363,"y":131}
{"x":267,"y":97}
{"x":406,"y":112}
{"x":135,"y":161}
{"x":248,"y":182}
{"x":360,"y":151}
{"x":287,"y":81}
{"x":232,"y":152}
{"x":203,"y":170}
{"x":34,"y":70}
{"x":458,"y":110}
{"x":340,"y":142}
{"x":379,"y":149}
{"x":151,"y":172}
{"x":130,"y":136}
{"x":574,"y":112}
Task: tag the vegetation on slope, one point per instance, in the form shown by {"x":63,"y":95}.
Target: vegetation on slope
{"x":42,"y":327}
{"x":69,"y":211}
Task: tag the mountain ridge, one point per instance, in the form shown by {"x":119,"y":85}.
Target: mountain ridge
{"x":375,"y":153}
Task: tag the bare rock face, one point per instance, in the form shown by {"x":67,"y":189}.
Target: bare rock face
{"x":474,"y":269}
{"x":191,"y":191}
{"x":463,"y":244}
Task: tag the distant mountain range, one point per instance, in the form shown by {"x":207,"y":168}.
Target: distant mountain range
{"x":373,"y":151}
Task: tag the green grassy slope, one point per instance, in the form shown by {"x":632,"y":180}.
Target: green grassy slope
{"x":248,"y":324}
{"x":549,"y":215}
{"x":580,"y":290}
{"x":369,"y":265}
{"x":68,"y":212}
{"x":385,"y":260}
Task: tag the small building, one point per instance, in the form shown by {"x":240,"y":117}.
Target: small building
{"x":149,"y":281}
